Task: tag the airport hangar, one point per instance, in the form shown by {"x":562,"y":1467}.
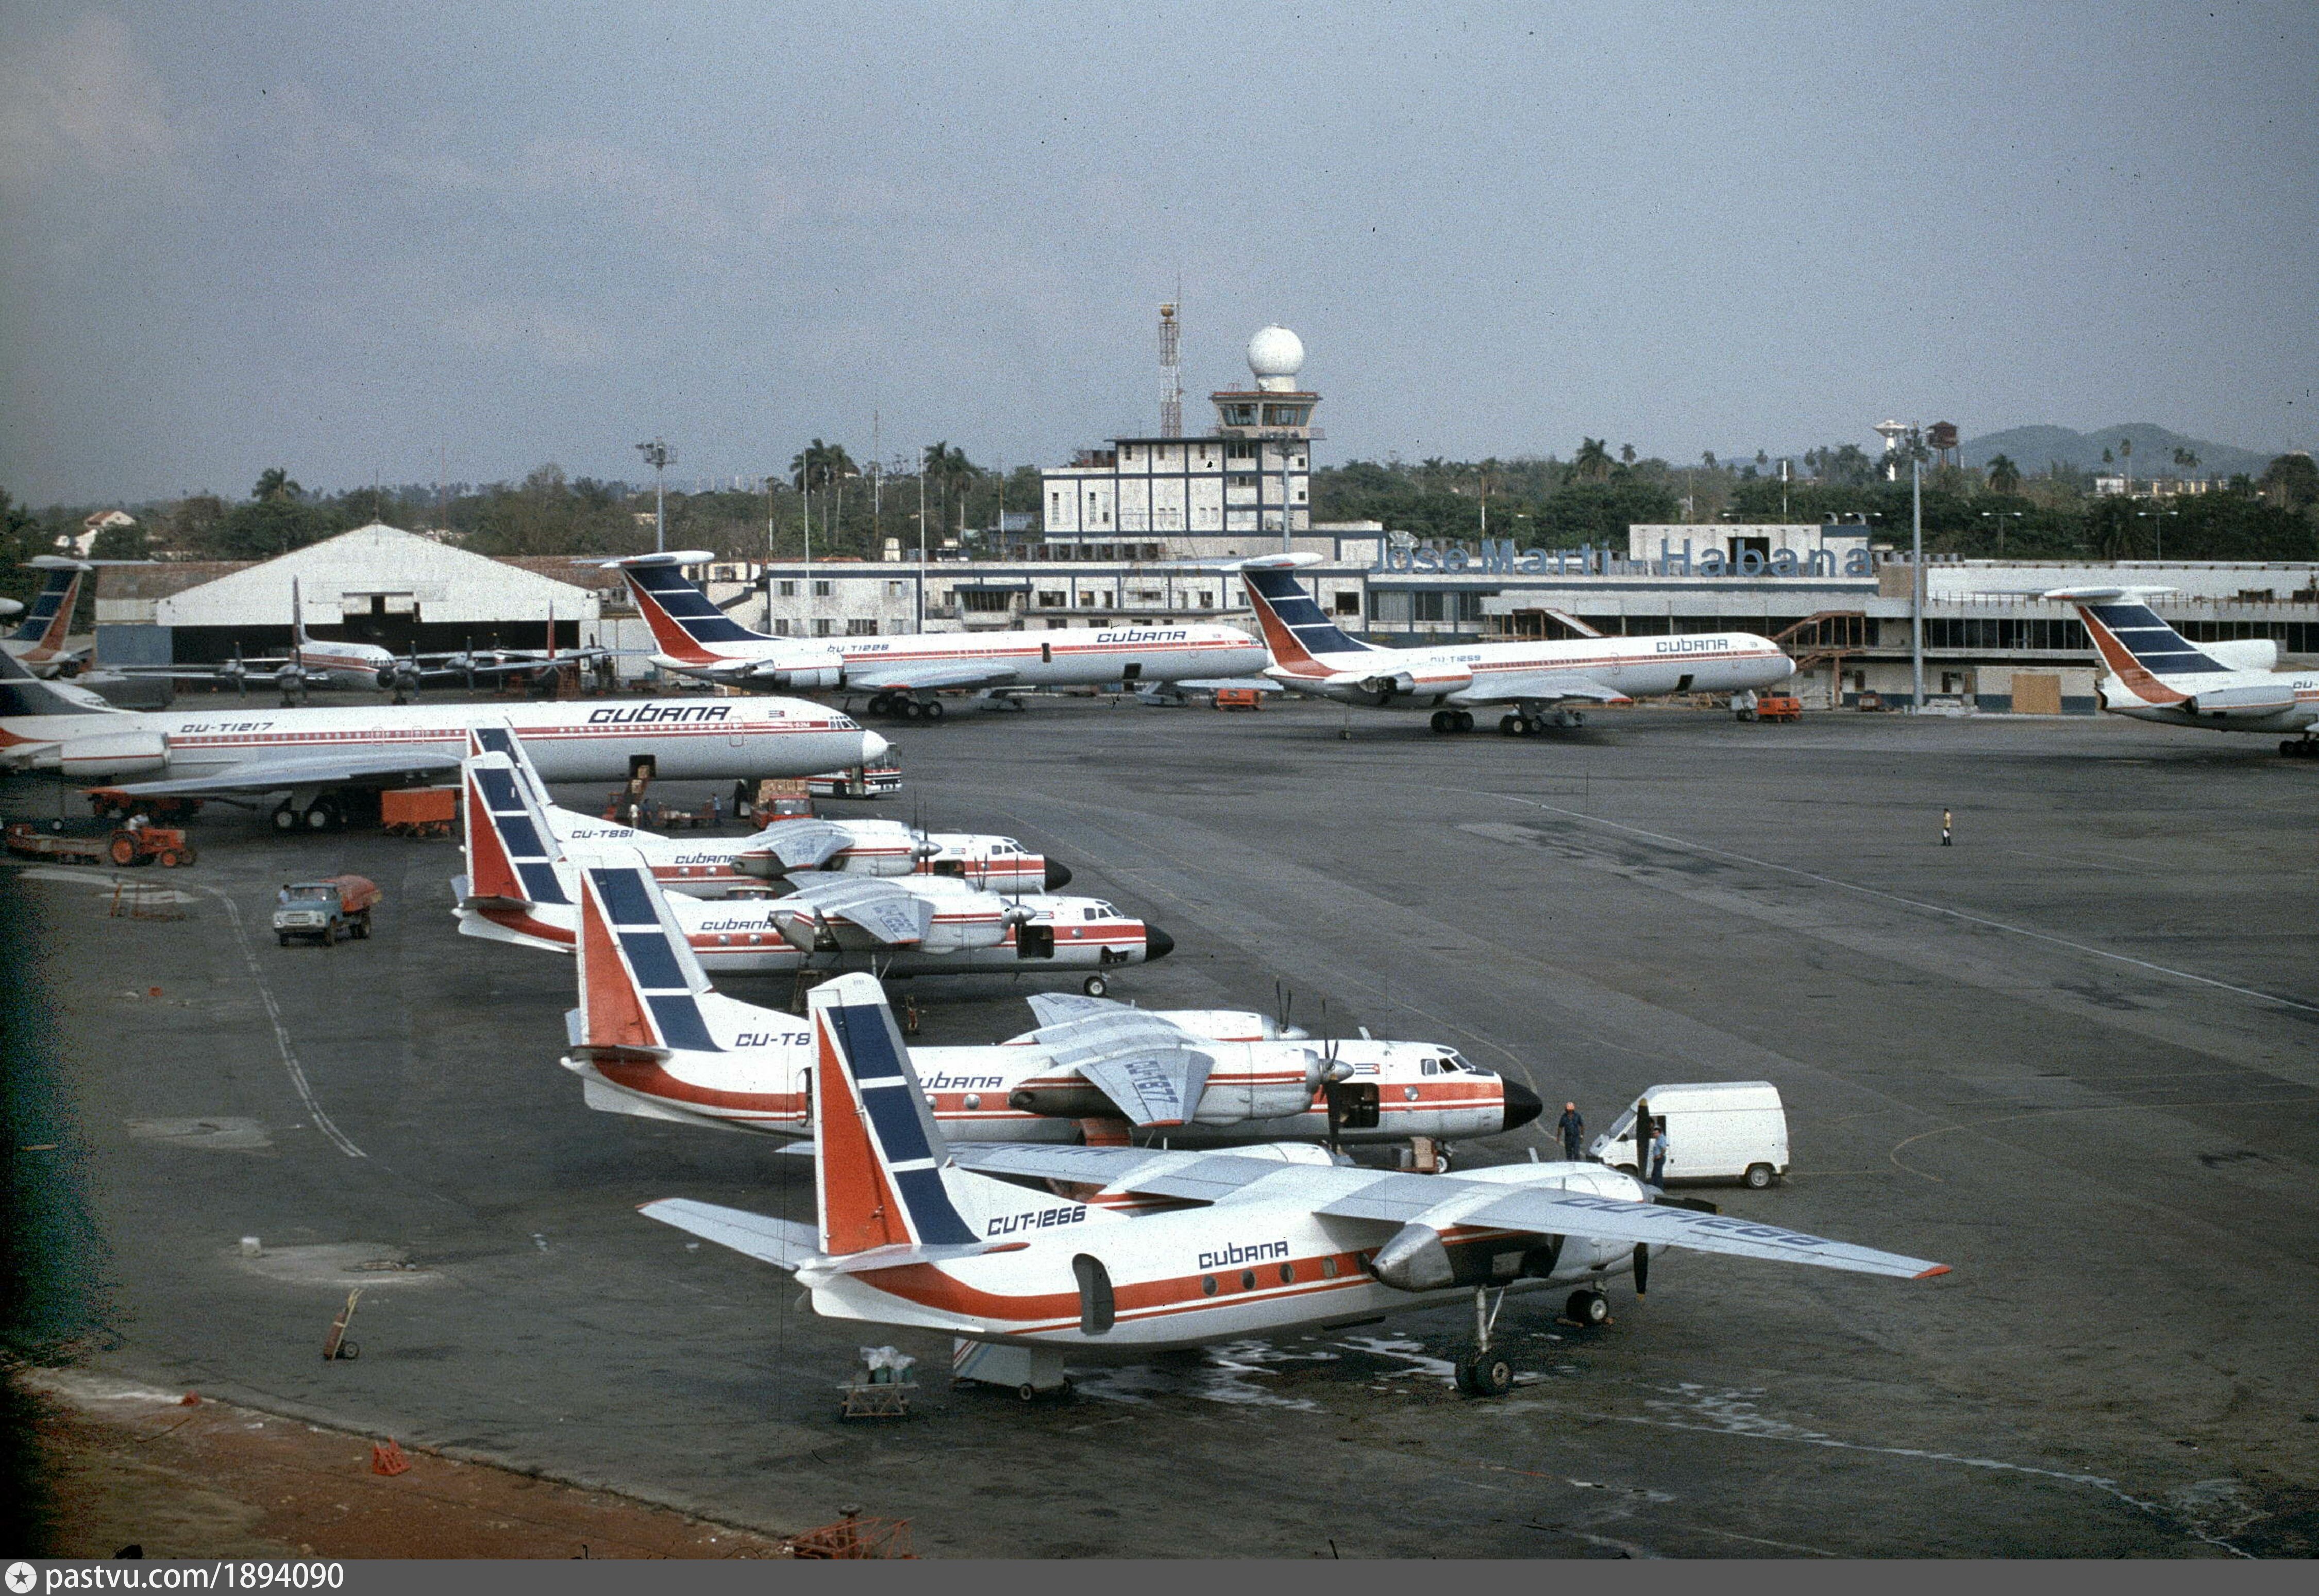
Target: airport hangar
{"x":374,"y":584}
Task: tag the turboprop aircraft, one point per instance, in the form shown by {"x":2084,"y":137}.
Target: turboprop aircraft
{"x":903,"y":675}
{"x":316,"y":756}
{"x":2156,"y":674}
{"x":652,"y":1038}
{"x":718,"y":866}
{"x":38,"y":641}
{"x":339,"y":662}
{"x":521,"y":888}
{"x":1536,"y":682}
{"x":1028,"y":1253}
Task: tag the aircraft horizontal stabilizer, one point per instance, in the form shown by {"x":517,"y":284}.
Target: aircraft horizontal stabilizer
{"x":783,"y":1243}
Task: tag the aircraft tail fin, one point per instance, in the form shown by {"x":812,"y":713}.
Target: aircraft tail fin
{"x":1295,"y":628}
{"x":49,"y":618}
{"x":879,"y":1175}
{"x":2140,"y":649}
{"x":24,"y":693}
{"x":502,"y":740}
{"x":640,"y":986}
{"x":684,"y":621}
{"x":511,"y":854}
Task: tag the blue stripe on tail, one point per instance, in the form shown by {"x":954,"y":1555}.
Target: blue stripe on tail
{"x":1300,"y":612}
{"x":627,"y":894}
{"x":688,"y":607}
{"x":45,"y":605}
{"x":2156,"y":646}
{"x":889,"y":1094}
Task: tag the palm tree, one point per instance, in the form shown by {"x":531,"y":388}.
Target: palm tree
{"x":2004,"y":476}
{"x":2187,"y":461}
{"x":274,"y":482}
{"x":948,"y":469}
{"x":1592,"y":460}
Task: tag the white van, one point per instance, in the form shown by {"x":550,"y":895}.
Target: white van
{"x":1716,"y":1131}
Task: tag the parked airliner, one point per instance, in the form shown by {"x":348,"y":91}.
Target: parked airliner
{"x":903,"y":675}
{"x":2156,"y":674}
{"x":1534,"y":680}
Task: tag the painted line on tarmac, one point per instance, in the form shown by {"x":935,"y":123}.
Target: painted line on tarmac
{"x":1914,"y":902}
{"x":280,"y":1033}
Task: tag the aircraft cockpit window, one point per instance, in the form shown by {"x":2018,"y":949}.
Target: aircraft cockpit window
{"x":1428,"y":1067}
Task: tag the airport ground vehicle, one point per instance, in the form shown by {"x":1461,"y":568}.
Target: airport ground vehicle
{"x":325,"y":910}
{"x":139,"y":844}
{"x":1238,"y":697}
{"x":418,"y":811}
{"x":1769,"y":707}
{"x":127,"y":845}
{"x":1716,"y":1131}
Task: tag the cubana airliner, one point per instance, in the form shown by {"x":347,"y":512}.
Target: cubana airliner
{"x":903,"y":675}
{"x":2157,"y":674}
{"x":1031,"y":1254}
{"x":1534,"y":680}
{"x":38,"y":641}
{"x":652,"y":1038}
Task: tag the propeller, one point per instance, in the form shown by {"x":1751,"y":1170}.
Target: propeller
{"x":1642,"y":1268}
{"x":1283,"y":1001}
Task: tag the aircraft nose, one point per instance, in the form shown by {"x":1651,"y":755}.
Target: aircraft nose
{"x":1522,"y":1105}
{"x":1157,"y":943}
{"x":873,"y":746}
{"x":1059,"y":876}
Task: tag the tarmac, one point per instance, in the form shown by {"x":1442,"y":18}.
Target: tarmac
{"x":2072,"y":1056}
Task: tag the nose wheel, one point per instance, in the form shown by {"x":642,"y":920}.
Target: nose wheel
{"x":1483,"y":1372}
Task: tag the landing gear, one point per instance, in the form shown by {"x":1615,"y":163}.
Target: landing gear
{"x":2300,"y":748}
{"x":933,"y":710}
{"x":322,"y":815}
{"x":879,"y":704}
{"x":1094,"y":986}
{"x":1512,"y":726}
{"x":1589,"y":1308}
{"x":286,"y":818}
{"x":1482,"y":1372}
{"x":1452,"y":720}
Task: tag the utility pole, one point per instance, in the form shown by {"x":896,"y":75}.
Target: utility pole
{"x":660,"y":458}
{"x":1917,"y":570}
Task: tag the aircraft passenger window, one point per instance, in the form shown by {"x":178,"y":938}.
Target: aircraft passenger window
{"x":1207,"y":1285}
{"x":1328,"y":1268}
{"x":1289,"y":1274}
{"x":1248,"y":1280}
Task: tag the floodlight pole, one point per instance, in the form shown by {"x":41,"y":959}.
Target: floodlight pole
{"x":1916,"y":572}
{"x":922,"y":537}
{"x":658,"y":455}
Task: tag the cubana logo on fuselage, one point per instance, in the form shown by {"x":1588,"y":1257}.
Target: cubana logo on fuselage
{"x":1132,"y":636}
{"x":661,"y":714}
{"x":1237,"y":1253}
{"x":1690,"y":645}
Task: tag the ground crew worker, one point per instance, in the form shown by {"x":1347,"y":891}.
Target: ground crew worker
{"x":1658,"y":1153}
{"x":1945,"y":820}
{"x":1573,"y":1130}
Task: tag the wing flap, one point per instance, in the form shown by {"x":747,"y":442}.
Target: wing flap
{"x":878,"y":908}
{"x":1501,"y":687}
{"x":1153,"y":1088}
{"x":914,"y":676}
{"x":783,"y":1243}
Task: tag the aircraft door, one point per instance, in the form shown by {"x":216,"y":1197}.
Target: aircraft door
{"x":1135,"y":671}
{"x":1354,"y":1104}
{"x":1034,"y":942}
{"x":1096,"y":1308}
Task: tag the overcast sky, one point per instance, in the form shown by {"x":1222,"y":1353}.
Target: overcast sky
{"x":358,"y":241}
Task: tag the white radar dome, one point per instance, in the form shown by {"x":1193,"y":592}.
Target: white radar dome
{"x":1276,"y":355}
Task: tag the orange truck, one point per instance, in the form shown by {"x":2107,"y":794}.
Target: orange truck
{"x":325,"y":910}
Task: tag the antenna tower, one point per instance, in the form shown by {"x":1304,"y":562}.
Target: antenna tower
{"x":1171,"y":373}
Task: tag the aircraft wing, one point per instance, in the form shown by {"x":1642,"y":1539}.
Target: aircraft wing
{"x":783,"y":1243}
{"x":1150,"y":1068}
{"x":803,"y":844}
{"x":918,"y":676}
{"x":884,"y":910}
{"x":1441,"y":1199}
{"x":381,"y":767}
{"x":1516,"y":687}
{"x":1056,"y":1008}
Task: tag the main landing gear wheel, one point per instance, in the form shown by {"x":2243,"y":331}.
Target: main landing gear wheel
{"x":286,"y":818}
{"x":880,"y":704}
{"x":1588,"y":1308}
{"x":1094,"y":986}
{"x":933,"y":710}
{"x":322,"y":815}
{"x":1511,"y":725}
{"x":1444,"y":721}
{"x":1484,"y":1374}
{"x":2300,"y":748}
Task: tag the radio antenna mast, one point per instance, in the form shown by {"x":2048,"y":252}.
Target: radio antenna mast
{"x":1171,"y":373}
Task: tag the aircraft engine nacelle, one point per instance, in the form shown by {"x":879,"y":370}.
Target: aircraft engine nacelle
{"x":2245,"y":654}
{"x":801,"y":676}
{"x":1228,"y":1102}
{"x":1063,"y":1103}
{"x":1419,"y":1258}
{"x":2259,"y":702}
{"x":124,"y":754}
{"x":951,"y":936}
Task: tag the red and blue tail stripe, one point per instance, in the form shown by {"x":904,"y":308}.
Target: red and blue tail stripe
{"x":1293,"y":625}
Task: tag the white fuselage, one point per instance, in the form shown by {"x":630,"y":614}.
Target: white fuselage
{"x":690,"y":739}
{"x":1479,"y":673}
{"x":1253,"y":1265}
{"x":1064,"y":657}
{"x":2265,"y":702}
{"x":705,"y":867}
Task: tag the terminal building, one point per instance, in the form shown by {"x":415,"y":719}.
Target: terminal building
{"x":1133,"y":532}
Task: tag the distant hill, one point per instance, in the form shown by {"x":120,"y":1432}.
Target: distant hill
{"x":2031,"y":448}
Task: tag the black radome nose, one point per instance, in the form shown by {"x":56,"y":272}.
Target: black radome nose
{"x":1522,"y":1105}
{"x":1159,"y":944}
{"x":1059,"y":876}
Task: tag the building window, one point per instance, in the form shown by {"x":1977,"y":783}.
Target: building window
{"x":821,"y":627}
{"x":789,"y":590}
{"x":781,"y":628}
{"x":1207,"y":601}
{"x":821,"y":590}
{"x":1051,"y":600}
{"x":1240,"y":449}
{"x":985,"y":600}
{"x":897,"y":590}
{"x":861,"y":628}
{"x":1348,"y":604}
